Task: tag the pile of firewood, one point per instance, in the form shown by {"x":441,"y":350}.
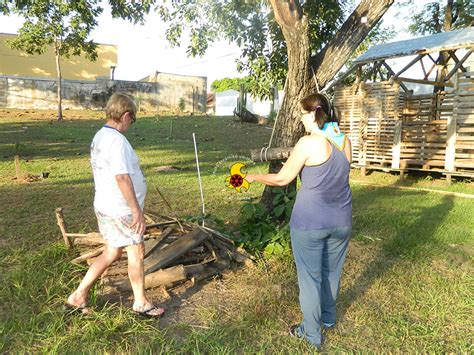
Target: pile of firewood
{"x":176,"y":253}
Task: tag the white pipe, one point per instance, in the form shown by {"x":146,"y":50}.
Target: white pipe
{"x":199,"y":178}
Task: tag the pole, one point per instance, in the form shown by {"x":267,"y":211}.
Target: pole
{"x":199,"y":178}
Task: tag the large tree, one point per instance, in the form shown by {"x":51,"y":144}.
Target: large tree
{"x":304,"y":42}
{"x":439,"y":16}
{"x":61,"y":25}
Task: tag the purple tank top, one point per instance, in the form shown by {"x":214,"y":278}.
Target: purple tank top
{"x":324,"y":199}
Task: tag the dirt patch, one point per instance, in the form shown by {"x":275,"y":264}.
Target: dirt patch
{"x":35,"y":115}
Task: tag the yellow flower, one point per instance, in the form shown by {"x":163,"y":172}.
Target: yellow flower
{"x":237,"y":180}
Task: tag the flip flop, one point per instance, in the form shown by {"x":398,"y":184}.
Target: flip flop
{"x":149,"y":312}
{"x":81,"y":310}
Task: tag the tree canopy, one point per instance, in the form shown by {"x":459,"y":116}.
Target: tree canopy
{"x":224,"y":84}
{"x":251,"y":25}
{"x":439,"y":15}
{"x":60,"y":24}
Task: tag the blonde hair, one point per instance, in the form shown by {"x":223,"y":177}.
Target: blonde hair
{"x":117,"y":105}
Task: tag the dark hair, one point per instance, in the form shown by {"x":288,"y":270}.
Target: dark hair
{"x":323,"y":110}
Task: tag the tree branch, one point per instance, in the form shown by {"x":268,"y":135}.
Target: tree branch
{"x":334,"y":55}
{"x":448,"y":16}
{"x":287,"y":13}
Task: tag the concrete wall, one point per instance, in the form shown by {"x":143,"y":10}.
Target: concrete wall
{"x":163,"y":95}
{"x":173,"y":88}
{"x":18,"y":63}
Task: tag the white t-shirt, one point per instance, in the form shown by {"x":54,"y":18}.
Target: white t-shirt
{"x":111,"y":155}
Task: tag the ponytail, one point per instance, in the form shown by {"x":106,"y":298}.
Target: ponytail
{"x":322,"y":107}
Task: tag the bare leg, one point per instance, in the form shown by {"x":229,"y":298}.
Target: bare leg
{"x":79,"y":296}
{"x":135,"y":255}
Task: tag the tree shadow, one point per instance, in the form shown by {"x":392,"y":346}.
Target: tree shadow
{"x":413,"y":228}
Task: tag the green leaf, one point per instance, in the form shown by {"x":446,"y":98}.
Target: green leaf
{"x":278,"y":210}
{"x":270,"y":248}
{"x":277,"y":199}
{"x":278,"y":248}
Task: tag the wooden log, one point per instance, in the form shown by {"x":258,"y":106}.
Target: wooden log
{"x":247,"y":116}
{"x":218,"y":235}
{"x":154,"y":243}
{"x":210,"y":248}
{"x":267,"y":154}
{"x":148,"y":219}
{"x":62,"y":226}
{"x":88,"y":255}
{"x":165,"y":223}
{"x":208,"y":272}
{"x":161,"y":277}
{"x":166,"y":256}
{"x":193,"y":269}
{"x":118,"y":268}
{"x":239,"y":255}
{"x":86,"y":239}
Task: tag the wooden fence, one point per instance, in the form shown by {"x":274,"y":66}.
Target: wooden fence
{"x":392,"y":130}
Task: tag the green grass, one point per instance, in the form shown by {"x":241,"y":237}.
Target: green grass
{"x":407,"y":284}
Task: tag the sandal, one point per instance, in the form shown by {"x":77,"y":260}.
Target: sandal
{"x":77,"y":310}
{"x":151,"y":312}
{"x":293,"y":330}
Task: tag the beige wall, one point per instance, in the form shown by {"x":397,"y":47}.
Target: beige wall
{"x":173,"y":88}
{"x":21,"y":64}
{"x":29,"y":93}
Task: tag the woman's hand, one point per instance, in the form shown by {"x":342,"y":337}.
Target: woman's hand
{"x":138,"y":222}
{"x":250,"y":178}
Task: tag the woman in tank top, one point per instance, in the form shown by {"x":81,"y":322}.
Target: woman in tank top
{"x":321,"y":220}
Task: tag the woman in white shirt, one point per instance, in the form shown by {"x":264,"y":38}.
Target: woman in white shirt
{"x":120,"y":190}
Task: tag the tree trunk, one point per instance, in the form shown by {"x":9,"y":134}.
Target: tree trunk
{"x":300,"y":80}
{"x":58,"y":70}
{"x":444,"y":56}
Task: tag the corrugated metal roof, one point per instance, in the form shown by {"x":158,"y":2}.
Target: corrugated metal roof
{"x":427,"y":44}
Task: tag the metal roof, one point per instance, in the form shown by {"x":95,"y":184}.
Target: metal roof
{"x":427,"y":44}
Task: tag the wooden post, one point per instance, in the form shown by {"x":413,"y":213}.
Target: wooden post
{"x":362,"y":130}
{"x":17,"y":167}
{"x":268,"y":154}
{"x":449,"y":161}
{"x":397,"y":134}
{"x":62,"y":226}
{"x":397,"y":138}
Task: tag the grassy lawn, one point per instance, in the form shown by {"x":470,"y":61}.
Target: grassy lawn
{"x":407,"y":284}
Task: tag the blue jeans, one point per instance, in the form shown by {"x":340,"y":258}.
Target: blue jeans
{"x":319,"y":256}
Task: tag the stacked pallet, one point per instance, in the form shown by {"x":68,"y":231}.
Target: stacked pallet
{"x":418,"y":108}
{"x":423,"y":144}
{"x":348,"y":101}
{"x":464,"y":121}
{"x":380,"y":107}
{"x":393,"y":130}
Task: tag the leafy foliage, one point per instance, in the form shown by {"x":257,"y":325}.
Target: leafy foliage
{"x":268,"y":231}
{"x":67,"y":23}
{"x":220,"y":85}
{"x":63,"y":25}
{"x":252,"y":26}
{"x":429,"y":18}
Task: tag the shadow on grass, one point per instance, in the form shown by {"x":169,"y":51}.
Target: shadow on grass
{"x":40,"y":139}
{"x":409,"y":229}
